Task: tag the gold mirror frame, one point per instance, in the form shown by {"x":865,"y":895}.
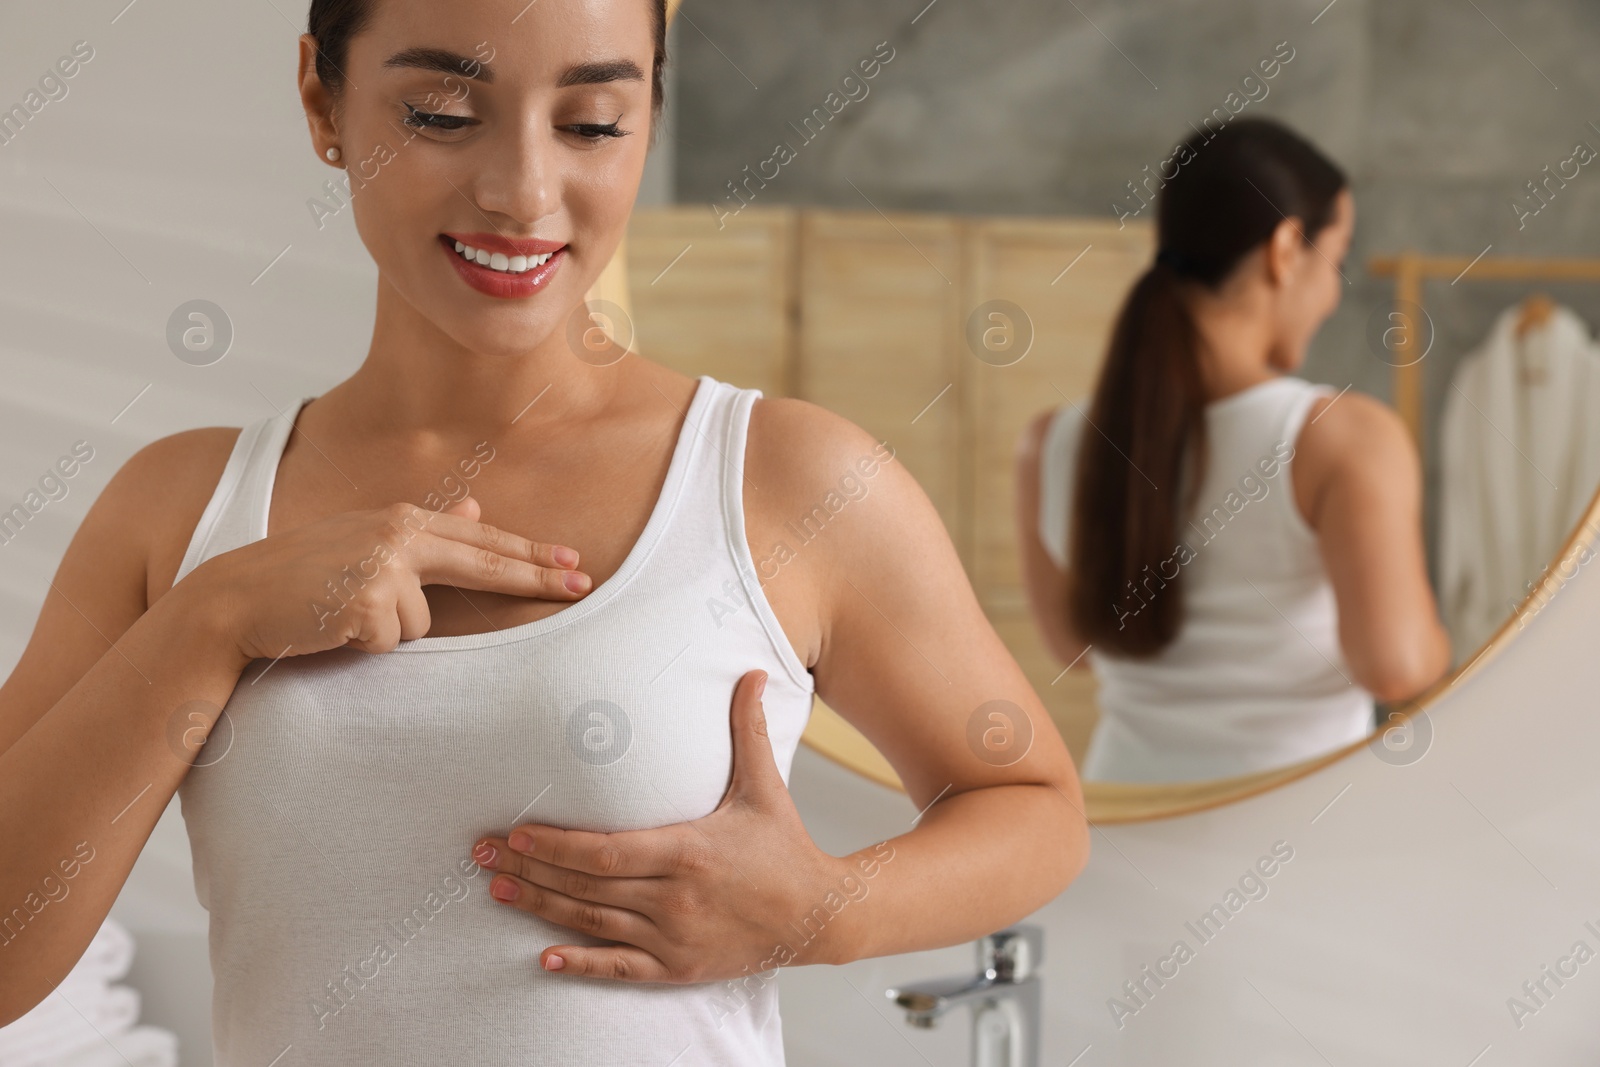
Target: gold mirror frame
{"x":1109,"y":803}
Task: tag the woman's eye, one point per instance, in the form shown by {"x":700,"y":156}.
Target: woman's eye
{"x":596,"y":131}
{"x":426,"y":120}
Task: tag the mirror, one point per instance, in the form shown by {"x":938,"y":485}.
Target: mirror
{"x":944,"y":298}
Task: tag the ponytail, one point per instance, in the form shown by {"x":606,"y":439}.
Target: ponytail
{"x":1148,"y":412}
{"x":1142,"y":458}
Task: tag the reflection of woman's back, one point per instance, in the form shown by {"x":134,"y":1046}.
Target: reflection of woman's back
{"x":1255,"y":677}
{"x":1230,"y":632}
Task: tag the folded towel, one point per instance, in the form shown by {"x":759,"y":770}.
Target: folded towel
{"x":143,"y":1046}
{"x":66,"y":1021}
{"x":108,"y":956}
{"x":85,"y":1021}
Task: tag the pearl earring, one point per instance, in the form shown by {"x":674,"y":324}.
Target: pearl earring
{"x":333,"y":155}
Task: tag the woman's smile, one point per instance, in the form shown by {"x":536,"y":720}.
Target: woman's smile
{"x":497,"y":266}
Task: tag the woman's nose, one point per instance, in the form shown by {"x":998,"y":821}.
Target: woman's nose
{"x":517,"y":180}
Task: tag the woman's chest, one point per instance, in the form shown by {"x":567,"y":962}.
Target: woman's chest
{"x":626,"y":733}
{"x":599,"y":512}
{"x":335,"y":752}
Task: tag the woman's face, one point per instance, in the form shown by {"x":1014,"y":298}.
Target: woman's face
{"x":494,"y":123}
{"x":1312,"y":288}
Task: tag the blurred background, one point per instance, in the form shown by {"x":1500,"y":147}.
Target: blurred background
{"x":998,"y":152}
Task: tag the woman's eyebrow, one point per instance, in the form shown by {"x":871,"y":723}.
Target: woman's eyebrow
{"x":447,"y":62}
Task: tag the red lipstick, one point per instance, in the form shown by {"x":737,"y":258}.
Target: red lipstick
{"x":499,"y":283}
{"x":493,"y":242}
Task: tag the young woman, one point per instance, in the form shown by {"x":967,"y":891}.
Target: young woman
{"x":1237,"y":551}
{"x":460,"y":801}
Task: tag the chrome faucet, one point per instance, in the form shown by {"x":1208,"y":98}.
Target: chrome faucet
{"x":1004,"y":996}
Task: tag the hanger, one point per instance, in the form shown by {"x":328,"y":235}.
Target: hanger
{"x":1536,"y":311}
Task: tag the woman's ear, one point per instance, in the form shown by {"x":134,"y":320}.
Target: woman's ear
{"x":316,"y":100}
{"x":1284,"y":250}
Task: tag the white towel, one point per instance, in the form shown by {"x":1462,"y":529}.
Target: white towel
{"x":67,"y":1021}
{"x":143,"y":1046}
{"x":86,"y":1021}
{"x":108,"y":956}
{"x":1520,"y":461}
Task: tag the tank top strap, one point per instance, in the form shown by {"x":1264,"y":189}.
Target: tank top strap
{"x":1291,"y":420}
{"x":236,"y":513}
{"x":708,"y":530}
{"x":1298,"y":407}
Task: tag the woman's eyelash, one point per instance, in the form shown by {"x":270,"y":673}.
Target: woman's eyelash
{"x":419,"y":119}
{"x":595,"y":131}
{"x":425,"y":120}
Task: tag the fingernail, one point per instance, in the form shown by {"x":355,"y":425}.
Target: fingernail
{"x":576,"y":581}
{"x":554,"y":963}
{"x":761,"y":686}
{"x":504,"y":889}
{"x":484,"y":854}
{"x":566,"y":557}
{"x":520,"y":841}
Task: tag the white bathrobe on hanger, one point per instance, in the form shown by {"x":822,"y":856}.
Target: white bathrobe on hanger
{"x":1520,"y":462}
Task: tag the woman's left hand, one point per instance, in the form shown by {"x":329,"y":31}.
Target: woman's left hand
{"x":697,"y":901}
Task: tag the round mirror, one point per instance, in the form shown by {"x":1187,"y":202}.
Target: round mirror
{"x":945,"y":308}
{"x":1109,"y":802}
{"x":1027,"y":328}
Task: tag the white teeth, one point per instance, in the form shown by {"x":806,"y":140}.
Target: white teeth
{"x":500,"y":261}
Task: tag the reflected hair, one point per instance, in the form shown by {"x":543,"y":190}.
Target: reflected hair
{"x":335,"y":22}
{"x":1148,"y":409}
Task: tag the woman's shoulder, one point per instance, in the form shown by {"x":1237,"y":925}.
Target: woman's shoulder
{"x":802,"y":448}
{"x":1352,"y":422}
{"x":1047,"y":446}
{"x":806,"y":465}
{"x":160,"y":493}
{"x":1354,"y":439}
{"x":1051,"y":432}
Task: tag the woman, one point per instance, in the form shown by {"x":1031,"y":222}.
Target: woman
{"x":539,"y":817}
{"x":1236,"y":552}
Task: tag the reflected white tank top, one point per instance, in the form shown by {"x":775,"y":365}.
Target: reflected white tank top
{"x":333,"y":812}
{"x":1256,"y":677}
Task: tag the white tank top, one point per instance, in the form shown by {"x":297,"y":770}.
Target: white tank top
{"x":332,"y":838}
{"x":1256,"y":677}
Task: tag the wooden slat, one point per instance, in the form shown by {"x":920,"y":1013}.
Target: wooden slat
{"x":879,"y":310}
{"x":710,"y":300}
{"x":1408,"y":368}
{"x":1492,"y":268}
{"x":1021,"y":261}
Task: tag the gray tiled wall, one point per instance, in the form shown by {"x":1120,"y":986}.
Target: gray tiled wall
{"x":1441,"y":111}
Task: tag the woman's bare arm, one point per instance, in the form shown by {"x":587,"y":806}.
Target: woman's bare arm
{"x":87,"y":747}
{"x":909,"y":658}
{"x":1358,"y":481}
{"x":105,"y":712}
{"x":1044,"y":583}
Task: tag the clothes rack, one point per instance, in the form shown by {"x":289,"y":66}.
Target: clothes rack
{"x":1411,"y":269}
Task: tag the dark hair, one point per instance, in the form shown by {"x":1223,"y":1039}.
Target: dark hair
{"x":1230,"y":192}
{"x":334,"y":22}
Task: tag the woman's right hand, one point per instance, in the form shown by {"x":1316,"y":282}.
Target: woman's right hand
{"x":355,"y":579}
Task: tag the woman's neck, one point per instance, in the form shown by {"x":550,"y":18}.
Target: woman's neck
{"x":1236,"y":346}
{"x":419,"y":380}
